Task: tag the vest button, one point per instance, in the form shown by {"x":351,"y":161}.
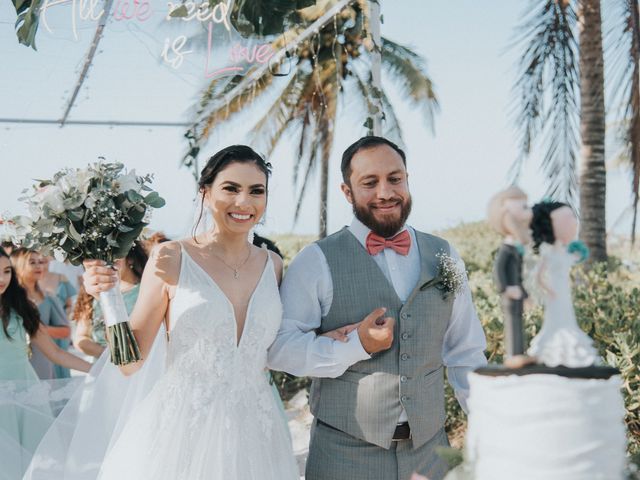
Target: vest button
{"x":403,"y":316}
{"x":403,"y":378}
{"x":404,"y":336}
{"x":404,"y":356}
{"x":404,"y":398}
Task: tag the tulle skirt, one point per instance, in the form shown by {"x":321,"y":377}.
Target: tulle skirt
{"x":27,"y":410}
{"x":237,"y":435}
{"x":77,"y":442}
{"x":120,"y":428}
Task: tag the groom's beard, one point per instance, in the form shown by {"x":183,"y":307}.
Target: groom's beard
{"x":389,"y":225}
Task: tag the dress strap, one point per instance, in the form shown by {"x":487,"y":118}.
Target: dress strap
{"x":167,"y":319}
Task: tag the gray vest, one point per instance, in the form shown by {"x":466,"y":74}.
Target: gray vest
{"x":366,"y":400}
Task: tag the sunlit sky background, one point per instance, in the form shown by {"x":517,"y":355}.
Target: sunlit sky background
{"x":452,"y":174}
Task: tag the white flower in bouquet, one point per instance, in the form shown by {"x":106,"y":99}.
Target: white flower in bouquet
{"x":74,"y":185}
{"x":50,"y":197}
{"x":75,"y":181}
{"x":129,"y":182}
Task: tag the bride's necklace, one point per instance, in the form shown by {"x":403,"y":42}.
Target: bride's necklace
{"x":235,"y":268}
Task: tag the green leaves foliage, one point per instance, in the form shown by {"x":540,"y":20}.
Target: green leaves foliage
{"x":27,"y":21}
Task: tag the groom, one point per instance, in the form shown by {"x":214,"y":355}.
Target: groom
{"x":378,"y":387}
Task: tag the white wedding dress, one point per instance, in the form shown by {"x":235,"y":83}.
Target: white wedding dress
{"x":212,"y":415}
{"x":560,"y":340}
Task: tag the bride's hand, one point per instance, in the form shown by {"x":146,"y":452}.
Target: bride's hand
{"x":98,"y":277}
{"x":341,"y":334}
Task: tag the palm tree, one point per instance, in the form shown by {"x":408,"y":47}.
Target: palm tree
{"x":593,"y":177}
{"x":327,"y":68}
{"x":561,"y":85}
{"x":627,"y":39}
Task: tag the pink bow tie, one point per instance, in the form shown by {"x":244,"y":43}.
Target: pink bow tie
{"x":400,"y":243}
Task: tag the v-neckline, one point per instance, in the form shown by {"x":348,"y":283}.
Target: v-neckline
{"x":236,"y":341}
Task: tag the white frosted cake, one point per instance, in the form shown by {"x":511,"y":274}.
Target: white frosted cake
{"x":545,"y":426}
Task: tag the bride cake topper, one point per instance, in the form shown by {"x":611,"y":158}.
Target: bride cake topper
{"x":560,"y":341}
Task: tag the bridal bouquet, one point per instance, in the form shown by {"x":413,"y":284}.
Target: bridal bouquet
{"x":93,"y":213}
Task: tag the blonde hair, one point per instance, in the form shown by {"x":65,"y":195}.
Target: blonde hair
{"x":19,"y":259}
{"x":496,"y":208}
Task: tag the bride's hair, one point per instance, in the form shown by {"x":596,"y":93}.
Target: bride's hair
{"x":220,"y":160}
{"x":541,"y":226}
{"x":15,"y":298}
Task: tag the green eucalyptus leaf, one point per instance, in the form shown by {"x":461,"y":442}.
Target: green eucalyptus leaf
{"x":126,"y":241}
{"x":73,"y":233}
{"x":134,"y":196}
{"x":76,"y":215}
{"x":154,"y":200}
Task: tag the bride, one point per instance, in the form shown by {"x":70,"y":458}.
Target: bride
{"x":212,"y":414}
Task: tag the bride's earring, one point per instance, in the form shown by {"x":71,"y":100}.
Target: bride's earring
{"x":251,"y":235}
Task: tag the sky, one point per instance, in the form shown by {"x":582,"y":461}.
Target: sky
{"x":452,"y":174}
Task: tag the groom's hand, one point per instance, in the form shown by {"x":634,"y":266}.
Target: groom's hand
{"x":376,"y":331}
{"x":341,"y":334}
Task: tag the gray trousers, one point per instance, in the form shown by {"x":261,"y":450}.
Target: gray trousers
{"x":335,"y":455}
{"x":513,"y":328}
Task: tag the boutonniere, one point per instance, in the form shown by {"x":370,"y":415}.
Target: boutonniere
{"x":450,"y":277}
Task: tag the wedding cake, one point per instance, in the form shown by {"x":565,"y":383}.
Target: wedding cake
{"x":556,"y":414}
{"x":543,"y":423}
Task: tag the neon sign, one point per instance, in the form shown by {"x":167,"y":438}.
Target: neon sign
{"x":238,"y":54}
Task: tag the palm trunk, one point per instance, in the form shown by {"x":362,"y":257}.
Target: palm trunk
{"x":592,"y":124}
{"x":324,"y":180}
{"x":634,"y":128}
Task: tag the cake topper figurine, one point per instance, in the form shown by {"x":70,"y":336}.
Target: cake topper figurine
{"x":509,"y":214}
{"x":560,"y":341}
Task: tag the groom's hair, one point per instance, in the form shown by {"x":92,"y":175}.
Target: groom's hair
{"x":370,"y":141}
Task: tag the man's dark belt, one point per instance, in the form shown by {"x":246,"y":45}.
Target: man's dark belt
{"x":402,"y":432}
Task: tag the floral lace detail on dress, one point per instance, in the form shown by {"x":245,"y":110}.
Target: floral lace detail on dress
{"x":212,"y":415}
{"x":204,"y":360}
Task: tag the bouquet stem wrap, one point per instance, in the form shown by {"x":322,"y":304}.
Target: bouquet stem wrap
{"x":123,"y":345}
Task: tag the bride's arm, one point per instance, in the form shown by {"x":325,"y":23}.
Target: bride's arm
{"x":160,"y":274}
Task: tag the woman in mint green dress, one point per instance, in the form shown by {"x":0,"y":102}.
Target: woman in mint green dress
{"x":30,"y":267}
{"x":90,"y":336}
{"x":59,"y":300}
{"x":25,"y":401}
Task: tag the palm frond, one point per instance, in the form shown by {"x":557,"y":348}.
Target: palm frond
{"x":303,"y":142}
{"x":209,"y":111}
{"x":390,"y":123}
{"x":549,"y":67}
{"x":327,"y":127}
{"x":310,"y":109}
{"x":625,"y":60}
{"x":266,"y":134}
{"x":409,"y":71}
{"x":323,"y":108}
